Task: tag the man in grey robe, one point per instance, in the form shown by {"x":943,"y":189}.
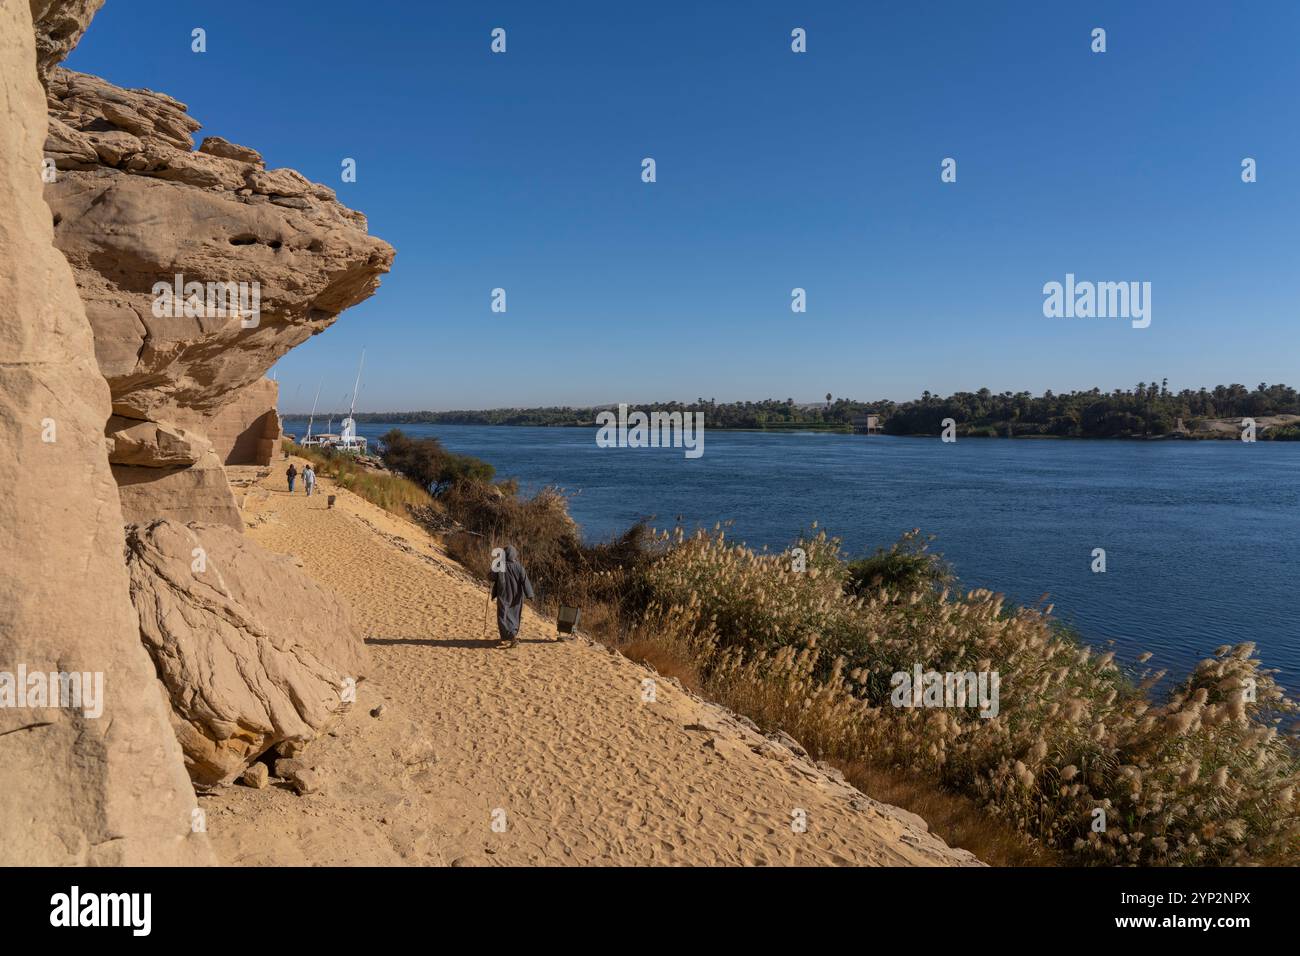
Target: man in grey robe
{"x":510,"y":587}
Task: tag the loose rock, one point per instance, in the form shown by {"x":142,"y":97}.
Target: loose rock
{"x":256,"y":776}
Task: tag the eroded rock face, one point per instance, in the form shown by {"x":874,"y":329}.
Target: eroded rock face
{"x":246,"y":430}
{"x":148,"y":208}
{"x":136,"y":207}
{"x":197,"y":492}
{"x":252,"y":651}
{"x":153,"y":445}
{"x":58,"y":25}
{"x":77,"y":788}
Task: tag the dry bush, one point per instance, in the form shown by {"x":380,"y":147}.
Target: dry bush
{"x":563,"y":569}
{"x":540,"y":527}
{"x":956,"y":818}
{"x":471,"y":550}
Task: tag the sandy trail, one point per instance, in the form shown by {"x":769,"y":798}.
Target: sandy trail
{"x":551,"y":742}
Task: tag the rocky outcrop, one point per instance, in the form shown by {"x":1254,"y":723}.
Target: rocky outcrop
{"x":80,"y":787}
{"x":198,"y":269}
{"x":253,"y":652}
{"x":147,"y":208}
{"x":197,"y":492}
{"x":135,"y":442}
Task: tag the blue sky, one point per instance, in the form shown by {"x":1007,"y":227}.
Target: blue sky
{"x":775,"y":170}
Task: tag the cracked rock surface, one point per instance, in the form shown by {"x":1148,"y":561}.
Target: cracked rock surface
{"x":251,"y":650}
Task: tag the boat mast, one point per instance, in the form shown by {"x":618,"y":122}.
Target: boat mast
{"x":353,"y":409}
{"x":313,"y":409}
{"x":329,"y":429}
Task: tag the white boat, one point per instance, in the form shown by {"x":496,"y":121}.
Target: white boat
{"x":347,"y":440}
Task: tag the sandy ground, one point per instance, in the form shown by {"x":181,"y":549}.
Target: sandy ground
{"x":542,"y":754}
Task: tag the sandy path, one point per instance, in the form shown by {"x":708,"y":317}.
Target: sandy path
{"x":553,"y":740}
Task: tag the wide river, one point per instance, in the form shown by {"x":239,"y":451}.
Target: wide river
{"x":1202,"y":539}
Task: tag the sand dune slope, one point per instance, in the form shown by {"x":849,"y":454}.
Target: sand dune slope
{"x":544,"y":754}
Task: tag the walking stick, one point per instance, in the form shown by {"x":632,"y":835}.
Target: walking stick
{"x":487,"y":621}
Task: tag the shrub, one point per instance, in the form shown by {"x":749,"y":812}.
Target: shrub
{"x":904,"y":568}
{"x":561,"y":566}
{"x":426,"y":462}
{"x":461,"y":468}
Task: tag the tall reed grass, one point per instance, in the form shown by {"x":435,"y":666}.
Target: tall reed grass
{"x":1205,"y":774}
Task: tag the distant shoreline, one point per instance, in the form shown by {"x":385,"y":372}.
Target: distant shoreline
{"x":1149,"y":410}
{"x":1220,"y":434}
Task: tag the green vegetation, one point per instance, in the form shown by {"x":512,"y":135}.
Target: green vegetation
{"x":1147,"y":410}
{"x":428,"y":464}
{"x":905,"y":568}
{"x":1144,"y":411}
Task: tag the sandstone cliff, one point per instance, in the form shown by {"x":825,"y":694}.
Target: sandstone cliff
{"x":78,"y":789}
{"x":197,"y":271}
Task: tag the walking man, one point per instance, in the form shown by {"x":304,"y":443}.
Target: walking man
{"x":309,"y":478}
{"x":291,"y":474}
{"x":510,"y":586}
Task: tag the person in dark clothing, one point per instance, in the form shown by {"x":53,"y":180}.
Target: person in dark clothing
{"x":510,"y":587}
{"x":291,"y":474}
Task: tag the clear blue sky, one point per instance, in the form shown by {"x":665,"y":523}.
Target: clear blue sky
{"x":775,"y":170}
